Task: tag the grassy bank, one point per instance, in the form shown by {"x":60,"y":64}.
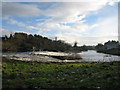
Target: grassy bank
{"x":18,"y":74}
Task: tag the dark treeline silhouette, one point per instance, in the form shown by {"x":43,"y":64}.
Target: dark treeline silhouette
{"x":21,"y":42}
{"x":110,"y":47}
{"x":83,"y":48}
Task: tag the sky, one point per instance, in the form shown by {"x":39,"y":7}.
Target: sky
{"x":88,"y":23}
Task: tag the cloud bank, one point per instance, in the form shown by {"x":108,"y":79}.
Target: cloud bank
{"x":66,"y":20}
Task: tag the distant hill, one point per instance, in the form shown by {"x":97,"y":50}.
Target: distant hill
{"x":22,"y":42}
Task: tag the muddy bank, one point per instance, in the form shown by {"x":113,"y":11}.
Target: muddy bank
{"x":45,"y":57}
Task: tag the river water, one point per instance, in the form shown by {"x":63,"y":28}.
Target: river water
{"x":87,"y":56}
{"x":93,"y":56}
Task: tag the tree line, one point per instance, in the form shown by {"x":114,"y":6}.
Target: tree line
{"x":22,"y":42}
{"x":110,"y":47}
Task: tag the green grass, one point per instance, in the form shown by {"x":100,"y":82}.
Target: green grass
{"x":19,"y":74}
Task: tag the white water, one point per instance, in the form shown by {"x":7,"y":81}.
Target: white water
{"x":93,"y":56}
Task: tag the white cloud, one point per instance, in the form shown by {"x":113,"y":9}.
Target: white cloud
{"x":16,"y":9}
{"x":93,"y":26}
{"x":31,"y":27}
{"x":69,"y":13}
{"x":62,"y":12}
{"x":14,"y":22}
{"x":66,"y":13}
{"x":104,"y":30}
{"x":106,"y":27}
{"x":7,"y":32}
{"x":112,"y":2}
{"x":80,"y":27}
{"x":44,"y":19}
{"x":19,"y":24}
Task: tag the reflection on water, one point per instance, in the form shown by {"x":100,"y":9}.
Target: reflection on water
{"x":92,"y":55}
{"x":87,"y":56}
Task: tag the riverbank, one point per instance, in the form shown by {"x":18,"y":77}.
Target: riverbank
{"x":45,"y":56}
{"x":84,"y":75}
{"x":111,"y":51}
{"x":60,"y":55}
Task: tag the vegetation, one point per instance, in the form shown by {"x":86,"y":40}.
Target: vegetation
{"x":85,"y":48}
{"x":85,"y":75}
{"x":110,"y":47}
{"x":82,"y":48}
{"x":21,"y":42}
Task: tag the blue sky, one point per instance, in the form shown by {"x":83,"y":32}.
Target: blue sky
{"x":85,"y":22}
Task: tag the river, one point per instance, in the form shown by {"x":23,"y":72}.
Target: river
{"x":87,"y":56}
{"x":93,"y":56}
